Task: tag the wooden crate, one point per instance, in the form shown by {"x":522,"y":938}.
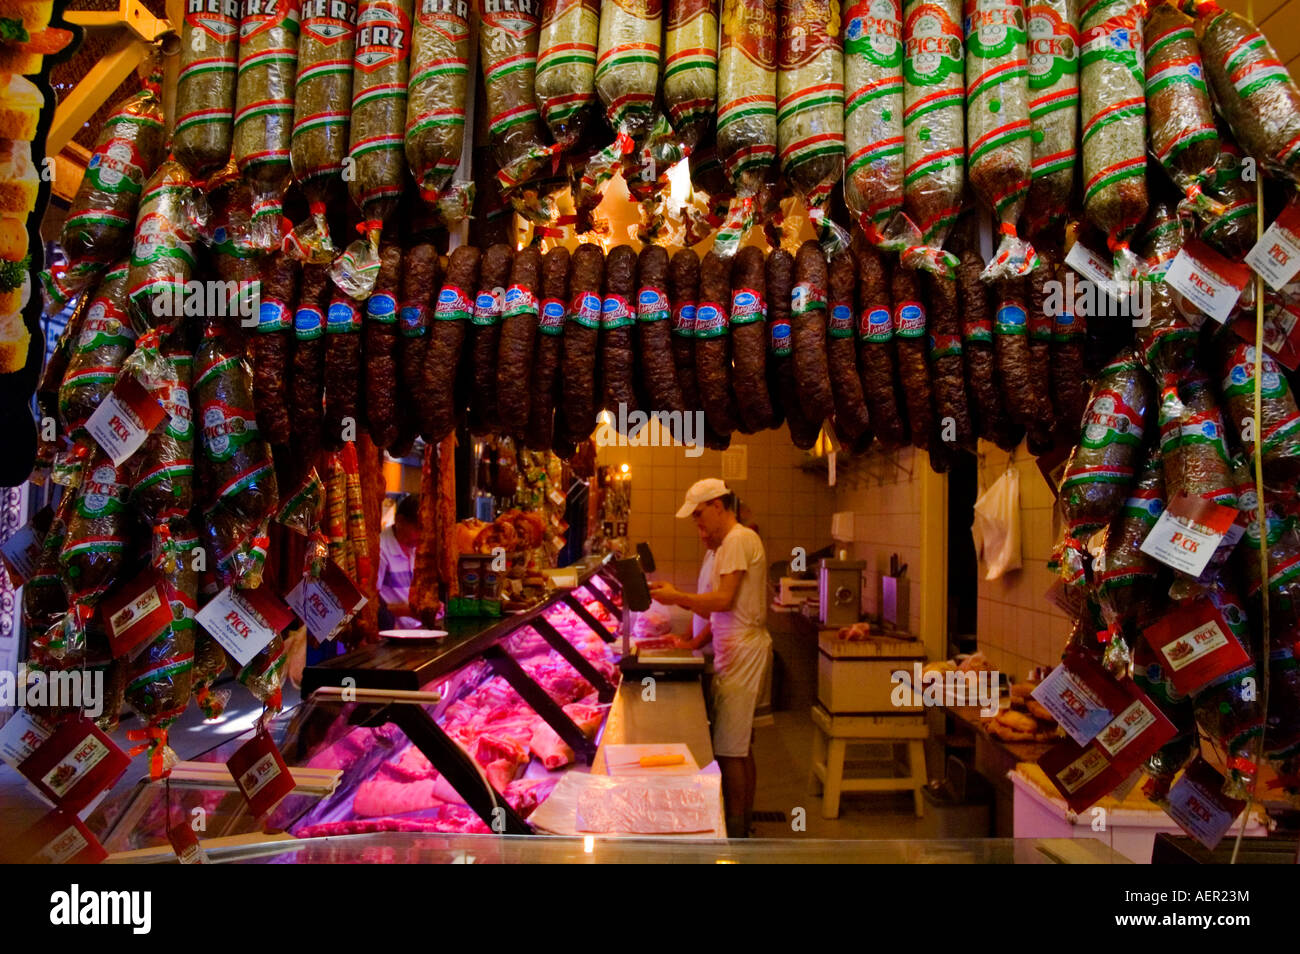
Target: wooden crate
{"x":857,"y":677}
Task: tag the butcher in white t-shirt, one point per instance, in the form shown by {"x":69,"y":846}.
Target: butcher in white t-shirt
{"x":397,"y":565}
{"x":735,"y":606}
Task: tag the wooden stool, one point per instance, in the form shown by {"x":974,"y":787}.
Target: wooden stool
{"x":832,"y":734}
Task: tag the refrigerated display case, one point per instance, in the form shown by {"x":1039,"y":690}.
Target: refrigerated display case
{"x":468,"y":733}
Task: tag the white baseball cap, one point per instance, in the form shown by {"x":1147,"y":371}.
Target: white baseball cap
{"x":702,"y":491}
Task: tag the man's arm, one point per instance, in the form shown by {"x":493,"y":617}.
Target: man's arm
{"x":706,"y":634}
{"x":703,"y":604}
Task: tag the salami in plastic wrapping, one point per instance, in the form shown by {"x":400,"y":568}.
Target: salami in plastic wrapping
{"x":1233,"y":230}
{"x":712,"y":345}
{"x":810,"y":109}
{"x":1179,"y":112}
{"x":447,"y":331}
{"x":934,"y":140}
{"x":1042,"y":304}
{"x":873,"y":118}
{"x":658,"y":375}
{"x":876,"y":350}
{"x":101,"y":220}
{"x":1053,"y":28}
{"x":268,"y":66}
{"x":421,"y":280}
{"x":992,"y":420}
{"x":162,"y":252}
{"x":376,"y":137}
{"x":436,"y":98}
{"x":549,"y":349}
{"x":1069,"y":373}
{"x":1125,"y":578}
{"x":105,"y":339}
{"x":44,"y":600}
{"x":999,"y":153}
{"x":683,"y":295}
{"x":1252,"y":88}
{"x":1024,"y":385}
{"x":746,"y":133}
{"x":486,"y":336}
{"x":507,"y":41}
{"x":581,"y":336}
{"x":272,"y":346}
{"x":1231,"y":713}
{"x":99,"y":660}
{"x":381,"y":349}
{"x":343,"y":373}
{"x":94,"y":554}
{"x":618,"y":316}
{"x":910,"y":348}
{"x":749,"y":341}
{"x":1283,"y":546}
{"x":210,"y":662}
{"x":160,"y":678}
{"x":307,"y":393}
{"x":566,"y":67}
{"x":947,"y":367}
{"x":690,"y":83}
{"x":1166,"y":342}
{"x":852,"y":423}
{"x":518,"y":342}
{"x":1282,"y":736}
{"x":162,"y":470}
{"x":264,"y":675}
{"x":782,"y":385}
{"x":1103,"y":464}
{"x":322,"y":108}
{"x":1114,"y":125}
{"x":1276,"y":436}
{"x":238,"y":481}
{"x":1192,"y":444}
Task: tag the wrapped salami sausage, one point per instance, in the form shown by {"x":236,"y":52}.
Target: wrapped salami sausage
{"x":617,"y":318}
{"x":1231,"y":713}
{"x":381,"y":349}
{"x":518,"y":342}
{"x":993,"y":421}
{"x":1103,"y":464}
{"x":690,"y":84}
{"x":1251,"y":87}
{"x":713,"y":345}
{"x":268,"y":65}
{"x":309,"y":359}
{"x":435,"y":106}
{"x":1196,"y":460}
{"x":343,"y":374}
{"x":102,"y":218}
{"x":1233,"y":230}
{"x":947,"y":368}
{"x":654,"y":331}
{"x":746,"y":133}
{"x":1125,"y":578}
{"x":783,"y":386}
{"x":205,"y":86}
{"x":94,"y":554}
{"x":1283,"y":548}
{"x":1114,"y":126}
{"x":873,"y":119}
{"x":1043,"y":293}
{"x":852,"y":423}
{"x":1069,"y":374}
{"x":44,"y":600}
{"x":999,"y":153}
{"x":162,"y":252}
{"x":1166,"y":342}
{"x":210,"y":662}
{"x":749,"y":342}
{"x":1053,"y":28}
{"x":508,"y":52}
{"x":264,"y":676}
{"x":447,"y":333}
{"x":238,"y":481}
{"x":544,"y":383}
{"x":162,"y":470}
{"x":376,"y":136}
{"x":934,"y":153}
{"x":581,"y":336}
{"x":683,"y":294}
{"x":485,"y":338}
{"x":910,"y":347}
{"x":876,"y":350}
{"x":105,"y":339}
{"x":271,"y":346}
{"x":421,"y":279}
{"x":566,"y":67}
{"x":810,"y":109}
{"x":1024,"y":385}
{"x":322,"y":108}
{"x":1276,"y":436}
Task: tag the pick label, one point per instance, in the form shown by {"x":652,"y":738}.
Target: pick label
{"x":325,"y":604}
{"x":1207,"y":279}
{"x":1189,"y":532}
{"x":136,"y":613}
{"x":1195,"y":645}
{"x":124,"y":419}
{"x":1196,"y":801}
{"x":1276,"y":256}
{"x":261,"y":773}
{"x":244,"y":621}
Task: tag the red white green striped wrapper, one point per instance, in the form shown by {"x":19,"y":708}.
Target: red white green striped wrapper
{"x":202,"y":72}
{"x":746,"y":127}
{"x":690,"y":75}
{"x":628,"y":52}
{"x":1053,"y":47}
{"x":565,"y":83}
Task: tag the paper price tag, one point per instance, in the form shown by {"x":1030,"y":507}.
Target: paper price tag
{"x":61,"y":838}
{"x":136,"y":613}
{"x":1195,"y":645}
{"x":186,"y":845}
{"x":124,"y":419}
{"x":1096,"y":268}
{"x":21,"y":552}
{"x":325,"y":604}
{"x":261,"y":773}
{"x":1188,"y":533}
{"x":1276,"y":256}
{"x":1079,"y":710}
{"x":1207,"y":279}
{"x":22,"y":735}
{"x":74,"y":765}
{"x":244,"y":621}
{"x":1197,"y":803}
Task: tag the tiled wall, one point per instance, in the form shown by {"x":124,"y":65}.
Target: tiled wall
{"x":1018,"y":628}
{"x":884,"y":493}
{"x":792,"y":506}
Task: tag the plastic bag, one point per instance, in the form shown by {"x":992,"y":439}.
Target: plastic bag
{"x":996,"y":527}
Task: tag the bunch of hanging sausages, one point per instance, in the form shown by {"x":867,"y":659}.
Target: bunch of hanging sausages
{"x":534,"y":345}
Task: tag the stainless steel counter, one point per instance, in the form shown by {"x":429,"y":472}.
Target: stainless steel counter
{"x":676,"y":714}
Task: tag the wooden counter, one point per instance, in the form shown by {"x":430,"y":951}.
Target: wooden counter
{"x":677,"y":714}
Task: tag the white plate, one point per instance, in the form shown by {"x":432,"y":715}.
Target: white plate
{"x":413,"y":633}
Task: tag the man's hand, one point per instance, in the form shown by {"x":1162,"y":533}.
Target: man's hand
{"x":684,"y":642}
{"x":666,"y":593}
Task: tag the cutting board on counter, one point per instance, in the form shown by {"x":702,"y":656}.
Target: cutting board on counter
{"x":625,"y":759}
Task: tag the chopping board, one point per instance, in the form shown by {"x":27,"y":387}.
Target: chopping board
{"x":625,"y":759}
